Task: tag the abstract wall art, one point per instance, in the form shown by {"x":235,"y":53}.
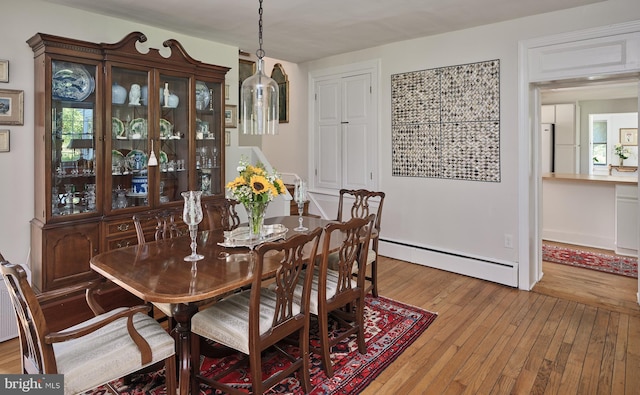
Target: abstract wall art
{"x":446,"y":122}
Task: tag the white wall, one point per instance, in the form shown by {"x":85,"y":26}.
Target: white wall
{"x":20,"y":20}
{"x":464,"y":217}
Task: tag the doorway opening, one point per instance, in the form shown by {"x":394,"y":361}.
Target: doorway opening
{"x":617,"y":95}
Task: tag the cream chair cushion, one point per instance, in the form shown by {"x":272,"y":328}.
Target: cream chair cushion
{"x":108,"y":352}
{"x":332,"y":286}
{"x":333,"y":260}
{"x":227,"y":322}
{"x":165,"y":308}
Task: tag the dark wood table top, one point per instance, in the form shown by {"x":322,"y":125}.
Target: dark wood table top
{"x":157,"y":272}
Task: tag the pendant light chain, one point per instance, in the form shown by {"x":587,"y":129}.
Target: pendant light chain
{"x":260,"y":52}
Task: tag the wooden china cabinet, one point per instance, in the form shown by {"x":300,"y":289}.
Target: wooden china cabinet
{"x":101,"y":112}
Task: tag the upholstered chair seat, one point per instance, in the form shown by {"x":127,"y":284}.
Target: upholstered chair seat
{"x":228,"y":321}
{"x":109,"y":351}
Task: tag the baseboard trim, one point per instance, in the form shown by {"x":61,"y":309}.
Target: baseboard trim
{"x":505,"y":273}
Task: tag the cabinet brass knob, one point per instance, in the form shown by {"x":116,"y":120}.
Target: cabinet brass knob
{"x":123,"y":227}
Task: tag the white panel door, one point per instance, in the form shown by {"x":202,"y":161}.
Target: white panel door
{"x":356,"y":132}
{"x":345,"y":151}
{"x":329,"y":129}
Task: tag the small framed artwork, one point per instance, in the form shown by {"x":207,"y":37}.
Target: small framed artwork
{"x":226,"y":92}
{"x":629,"y":136}
{"x":227,"y":137}
{"x":4,"y":140}
{"x":230,"y":116}
{"x":11,"y":107}
{"x":4,"y":71}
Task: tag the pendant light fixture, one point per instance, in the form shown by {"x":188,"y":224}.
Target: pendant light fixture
{"x":259,"y":97}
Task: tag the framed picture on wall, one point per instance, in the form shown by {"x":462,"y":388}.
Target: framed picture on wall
{"x":4,"y":71}
{"x":4,"y":140}
{"x":230,"y":116}
{"x":281,"y":78}
{"x":11,"y":107}
{"x":629,"y":136}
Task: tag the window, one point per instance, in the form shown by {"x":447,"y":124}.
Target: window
{"x":599,"y":153}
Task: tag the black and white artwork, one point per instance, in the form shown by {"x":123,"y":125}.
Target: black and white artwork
{"x":446,"y":122}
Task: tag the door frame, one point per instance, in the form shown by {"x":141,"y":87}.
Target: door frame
{"x":543,"y":61}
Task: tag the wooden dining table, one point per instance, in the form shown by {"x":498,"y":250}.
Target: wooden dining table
{"x":157,"y":272}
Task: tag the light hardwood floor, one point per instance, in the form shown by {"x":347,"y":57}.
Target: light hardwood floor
{"x":493,"y":339}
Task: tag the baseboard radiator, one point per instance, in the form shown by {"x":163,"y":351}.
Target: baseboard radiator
{"x":8,"y":327}
{"x":505,"y":273}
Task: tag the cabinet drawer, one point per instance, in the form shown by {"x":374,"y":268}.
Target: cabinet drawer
{"x":115,"y":243}
{"x":120,"y":227}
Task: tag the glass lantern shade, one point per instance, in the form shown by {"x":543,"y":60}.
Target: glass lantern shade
{"x":259,"y":103}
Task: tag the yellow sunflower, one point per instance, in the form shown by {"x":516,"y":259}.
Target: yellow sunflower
{"x":259,"y":184}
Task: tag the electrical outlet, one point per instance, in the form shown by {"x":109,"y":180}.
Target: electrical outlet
{"x":508,"y":241}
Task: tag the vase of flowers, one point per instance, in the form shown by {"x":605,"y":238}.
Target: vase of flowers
{"x":622,"y":152}
{"x":255,"y":188}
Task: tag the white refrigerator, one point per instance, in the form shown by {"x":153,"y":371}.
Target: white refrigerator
{"x":547,"y":148}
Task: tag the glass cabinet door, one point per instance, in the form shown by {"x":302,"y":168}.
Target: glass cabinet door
{"x":73,"y":139}
{"x":130,"y":134}
{"x":174,"y":136}
{"x":208,"y":137}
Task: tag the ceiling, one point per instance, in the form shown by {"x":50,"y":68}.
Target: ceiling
{"x":304,"y":30}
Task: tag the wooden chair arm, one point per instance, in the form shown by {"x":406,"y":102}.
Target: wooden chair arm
{"x":64,"y":335}
{"x":60,"y":293}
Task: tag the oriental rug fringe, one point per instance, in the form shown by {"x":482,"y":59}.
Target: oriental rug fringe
{"x":610,"y":263}
{"x":390,"y":328}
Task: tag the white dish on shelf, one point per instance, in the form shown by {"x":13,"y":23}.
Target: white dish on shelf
{"x":163,"y":157}
{"x":117,"y":129}
{"x":71,"y":82}
{"x":166,"y":129}
{"x":202,"y":95}
{"x":138,"y":129}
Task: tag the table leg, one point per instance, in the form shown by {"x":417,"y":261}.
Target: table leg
{"x":182,"y":314}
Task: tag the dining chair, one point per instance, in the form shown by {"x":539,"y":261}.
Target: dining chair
{"x":256,"y":319}
{"x":222,"y":214}
{"x":335,"y":291}
{"x":95,"y":352}
{"x":361,"y":209}
{"x":163,"y":224}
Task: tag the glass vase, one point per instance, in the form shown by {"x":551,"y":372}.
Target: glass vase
{"x":192,"y":216}
{"x":255,"y":214}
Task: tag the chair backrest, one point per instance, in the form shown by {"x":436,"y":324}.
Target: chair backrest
{"x":162,"y":222}
{"x":295,"y":254}
{"x":37,"y":355}
{"x":355,"y":234}
{"x":222,"y":214}
{"x":360,"y":207}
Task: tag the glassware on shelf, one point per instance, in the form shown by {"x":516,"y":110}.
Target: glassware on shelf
{"x":91,"y":197}
{"x":300,"y":197}
{"x":55,"y":201}
{"x":121,"y":200}
{"x":68,"y":196}
{"x":192,"y":216}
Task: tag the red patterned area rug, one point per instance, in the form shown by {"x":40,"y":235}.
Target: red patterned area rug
{"x":610,"y":263}
{"x":391,"y":327}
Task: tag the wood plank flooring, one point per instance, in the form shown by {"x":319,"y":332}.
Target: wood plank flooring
{"x":491,"y":339}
